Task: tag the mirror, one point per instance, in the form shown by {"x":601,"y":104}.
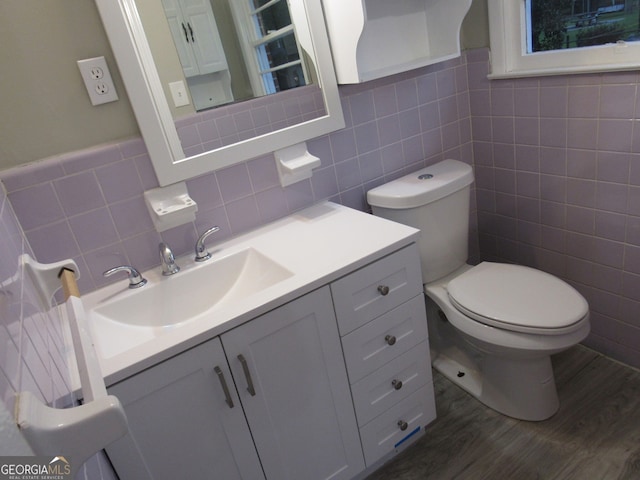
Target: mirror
{"x":224,"y":51}
{"x":317,"y":109}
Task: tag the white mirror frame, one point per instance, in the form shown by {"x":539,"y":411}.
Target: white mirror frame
{"x":133,"y":55}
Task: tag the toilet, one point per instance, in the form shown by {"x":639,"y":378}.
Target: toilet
{"x":492,"y":327}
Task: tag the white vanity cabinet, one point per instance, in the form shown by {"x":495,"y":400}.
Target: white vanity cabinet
{"x":381,"y":314}
{"x":288,"y":378}
{"x":326,"y":382}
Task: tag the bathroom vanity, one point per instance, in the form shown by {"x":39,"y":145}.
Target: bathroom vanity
{"x":323,"y":374}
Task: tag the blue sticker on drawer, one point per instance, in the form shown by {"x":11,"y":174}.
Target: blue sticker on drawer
{"x":411,"y":434}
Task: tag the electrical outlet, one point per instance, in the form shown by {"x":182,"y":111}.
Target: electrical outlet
{"x":96,"y":73}
{"x":102,"y":88}
{"x":97,"y":79}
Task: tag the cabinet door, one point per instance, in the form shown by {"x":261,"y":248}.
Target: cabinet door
{"x":181,"y":425}
{"x":204,"y":36}
{"x":181,"y":39}
{"x":290,"y":373}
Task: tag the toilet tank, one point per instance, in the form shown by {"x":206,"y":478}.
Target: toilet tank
{"x":436,"y":201}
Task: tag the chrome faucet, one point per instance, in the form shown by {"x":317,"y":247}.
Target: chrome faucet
{"x":201,"y":253}
{"x":135,"y":279}
{"x":167,"y":260}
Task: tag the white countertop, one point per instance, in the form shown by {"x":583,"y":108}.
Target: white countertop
{"x":318,"y":245}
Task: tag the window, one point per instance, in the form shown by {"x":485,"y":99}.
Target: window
{"x":544,"y":37}
{"x":271,"y":42}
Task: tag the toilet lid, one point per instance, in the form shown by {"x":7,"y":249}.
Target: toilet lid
{"x":517,"y":298}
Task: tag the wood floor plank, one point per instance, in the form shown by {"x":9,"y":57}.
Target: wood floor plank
{"x":567,"y":364}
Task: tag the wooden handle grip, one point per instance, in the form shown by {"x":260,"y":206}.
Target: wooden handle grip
{"x":69,"y":284}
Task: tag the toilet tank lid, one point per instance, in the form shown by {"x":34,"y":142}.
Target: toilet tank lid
{"x":422,"y":187}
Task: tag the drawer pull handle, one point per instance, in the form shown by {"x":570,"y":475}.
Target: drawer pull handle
{"x":247,"y":374}
{"x":383,"y":289}
{"x":390,"y":339}
{"x":403,"y":425}
{"x":397,"y":384}
{"x":225,"y":388}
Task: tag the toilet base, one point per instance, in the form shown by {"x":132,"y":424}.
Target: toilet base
{"x":519,"y":386}
{"x":520,"y":389}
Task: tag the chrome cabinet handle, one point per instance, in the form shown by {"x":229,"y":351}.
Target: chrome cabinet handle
{"x":397,"y":384}
{"x":247,"y":374}
{"x":383,"y":289}
{"x":225,"y":388}
{"x":403,"y":425}
{"x":390,"y":339}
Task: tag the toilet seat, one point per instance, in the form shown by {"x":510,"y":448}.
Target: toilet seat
{"x":517,"y":298}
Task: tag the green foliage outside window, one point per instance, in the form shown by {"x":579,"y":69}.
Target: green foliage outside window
{"x":600,"y":34}
{"x":559,"y":24}
{"x":548,"y":24}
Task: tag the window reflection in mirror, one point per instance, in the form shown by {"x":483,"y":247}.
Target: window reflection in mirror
{"x":275,"y":45}
{"x":224,"y":51}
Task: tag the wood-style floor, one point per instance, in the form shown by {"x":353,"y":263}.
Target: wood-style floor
{"x":594,"y":436}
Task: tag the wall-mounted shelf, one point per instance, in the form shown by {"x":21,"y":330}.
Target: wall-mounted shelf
{"x":170,"y":206}
{"x":375,"y":38}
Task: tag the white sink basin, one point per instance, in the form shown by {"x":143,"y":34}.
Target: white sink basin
{"x":191,"y":293}
{"x":248,"y":276}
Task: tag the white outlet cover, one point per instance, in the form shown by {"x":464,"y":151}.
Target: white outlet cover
{"x":97,"y":80}
{"x":179,"y":93}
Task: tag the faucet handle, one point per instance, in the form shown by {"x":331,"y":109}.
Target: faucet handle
{"x":201,"y":253}
{"x":135,"y":279}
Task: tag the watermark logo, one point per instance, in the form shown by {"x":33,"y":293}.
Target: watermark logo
{"x":35,"y":468}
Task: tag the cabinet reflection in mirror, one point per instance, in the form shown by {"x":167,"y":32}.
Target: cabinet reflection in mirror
{"x":260,"y":75}
{"x":225,"y":50}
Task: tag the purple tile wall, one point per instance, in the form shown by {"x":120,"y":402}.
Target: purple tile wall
{"x":557,"y":163}
{"x":31,"y":337}
{"x":229,"y":124}
{"x":89,"y":205}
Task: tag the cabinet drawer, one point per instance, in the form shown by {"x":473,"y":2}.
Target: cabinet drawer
{"x":377,"y":288}
{"x":398,"y":424}
{"x":383,"y":339}
{"x":385,"y":387}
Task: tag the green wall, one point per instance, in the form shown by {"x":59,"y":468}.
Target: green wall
{"x":46,"y":110}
